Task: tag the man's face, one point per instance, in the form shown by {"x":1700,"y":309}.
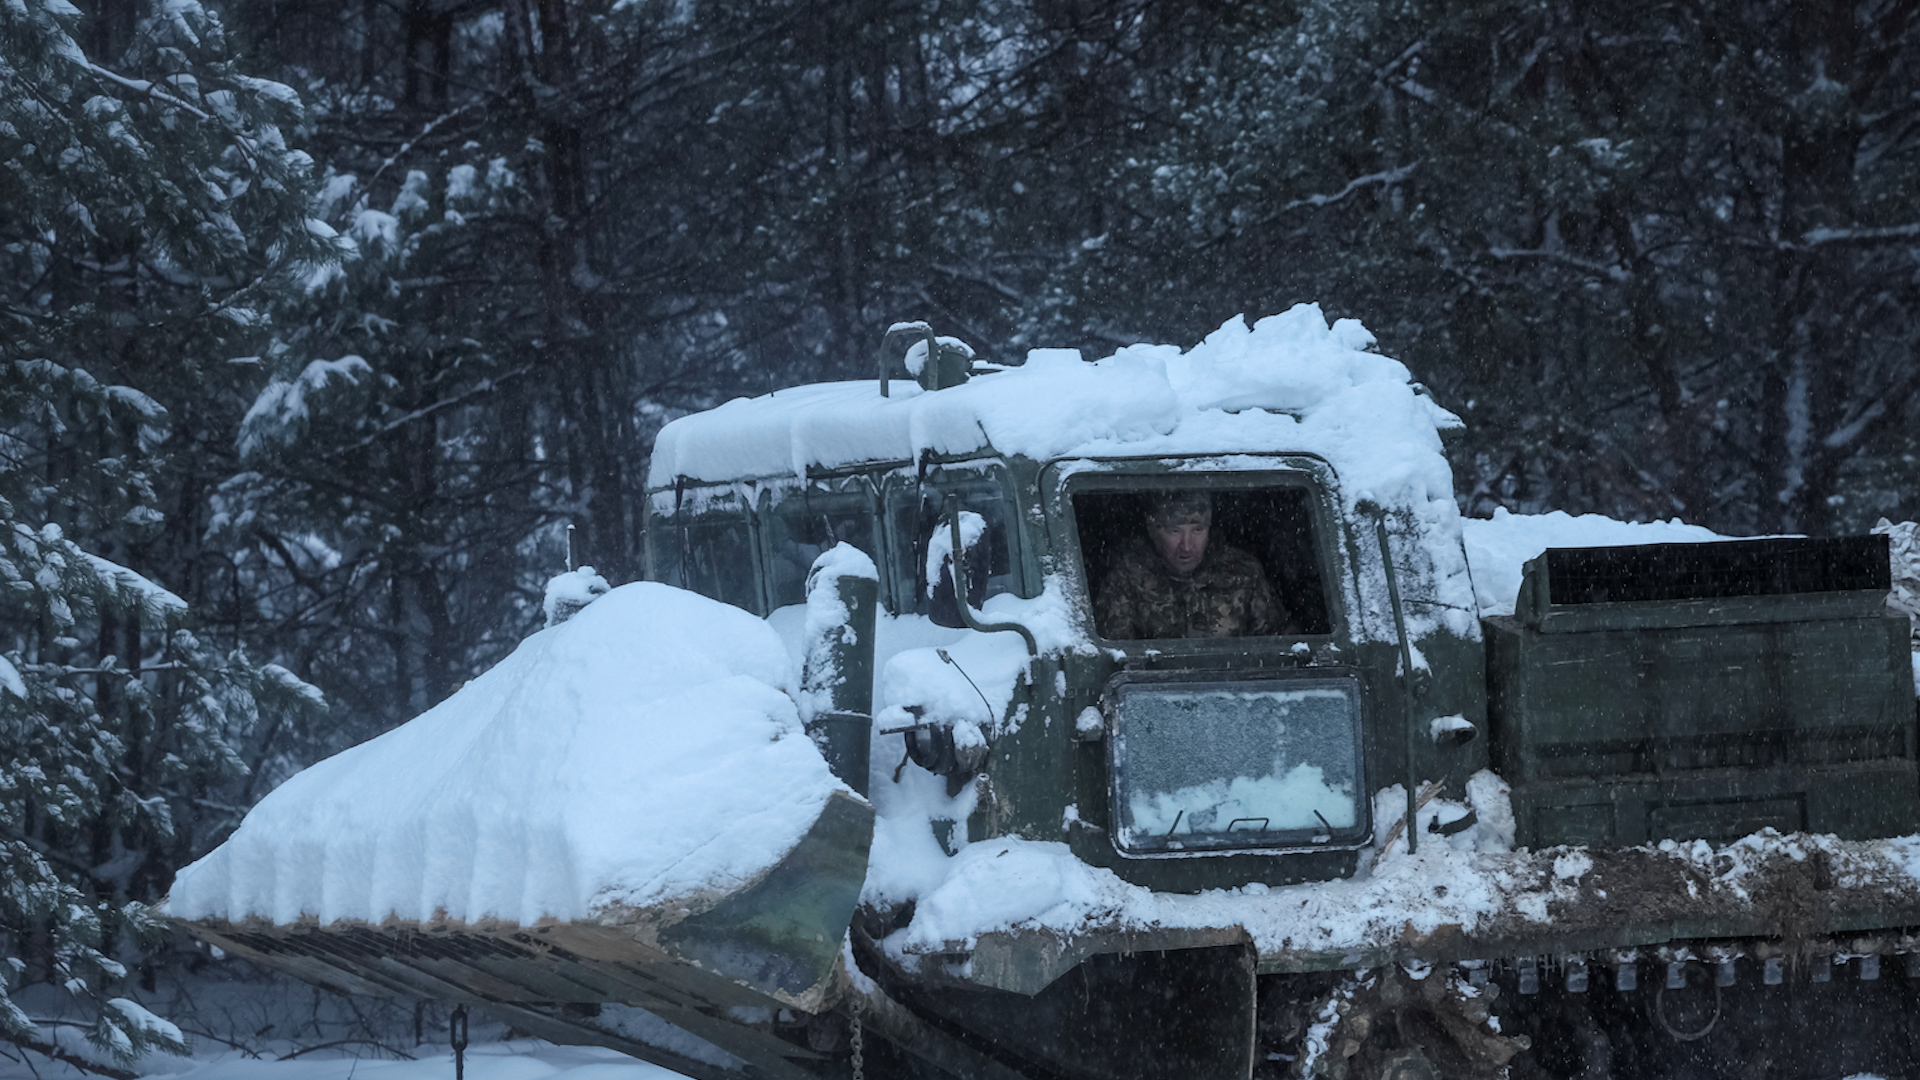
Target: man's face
{"x":1181,"y":543}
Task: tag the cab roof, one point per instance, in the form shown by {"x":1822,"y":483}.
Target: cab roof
{"x":1290,"y":382}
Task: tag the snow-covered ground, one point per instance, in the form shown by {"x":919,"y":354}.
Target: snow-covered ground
{"x":244,"y":1024}
{"x":518,"y":1059}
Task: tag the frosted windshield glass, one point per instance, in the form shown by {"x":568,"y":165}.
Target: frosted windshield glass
{"x":719,"y":560}
{"x":915,"y":519}
{"x":802,"y":527}
{"x":1200,"y":767}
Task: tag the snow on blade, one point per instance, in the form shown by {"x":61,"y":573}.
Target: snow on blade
{"x":644,"y":751}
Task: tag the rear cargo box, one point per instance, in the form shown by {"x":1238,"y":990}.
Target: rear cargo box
{"x":1704,"y":691}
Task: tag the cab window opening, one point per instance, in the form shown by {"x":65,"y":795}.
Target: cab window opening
{"x":1269,"y":527}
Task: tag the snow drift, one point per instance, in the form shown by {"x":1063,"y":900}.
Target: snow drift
{"x":644,"y":751}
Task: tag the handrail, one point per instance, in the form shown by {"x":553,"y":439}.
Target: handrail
{"x":883,"y":358}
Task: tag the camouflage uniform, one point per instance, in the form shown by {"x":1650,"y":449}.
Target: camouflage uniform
{"x":1228,"y":596}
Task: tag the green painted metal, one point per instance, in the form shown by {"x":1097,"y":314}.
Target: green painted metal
{"x":782,"y":935}
{"x":1406,"y":676}
{"x":1627,"y":722}
{"x":1155,"y":1013}
{"x":844,"y":731}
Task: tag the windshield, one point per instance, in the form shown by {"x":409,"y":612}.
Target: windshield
{"x":804,"y":524}
{"x":708,"y":547}
{"x":915,"y":510}
{"x":1204,"y":766}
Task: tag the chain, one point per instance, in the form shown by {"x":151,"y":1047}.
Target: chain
{"x":859,"y":1044}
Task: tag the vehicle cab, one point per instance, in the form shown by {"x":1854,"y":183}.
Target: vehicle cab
{"x":1180,"y":763}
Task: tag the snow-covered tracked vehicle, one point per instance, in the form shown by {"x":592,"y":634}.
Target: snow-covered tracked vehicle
{"x":1632,"y":785}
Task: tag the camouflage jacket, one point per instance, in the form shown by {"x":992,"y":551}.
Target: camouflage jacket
{"x":1228,"y":596}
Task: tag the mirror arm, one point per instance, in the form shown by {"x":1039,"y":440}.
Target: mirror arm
{"x":962,"y":601}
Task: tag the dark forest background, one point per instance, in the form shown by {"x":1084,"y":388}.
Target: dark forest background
{"x":327,"y":318}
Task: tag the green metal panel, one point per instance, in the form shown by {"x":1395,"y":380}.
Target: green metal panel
{"x":1623,"y":723}
{"x":1043,"y":770}
{"x":1612,"y":701}
{"x":783,"y":935}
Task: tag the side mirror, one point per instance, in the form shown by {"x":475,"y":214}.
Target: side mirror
{"x":942,"y":607}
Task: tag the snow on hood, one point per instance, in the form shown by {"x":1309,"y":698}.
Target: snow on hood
{"x":1289,"y":382}
{"x":643,"y":751}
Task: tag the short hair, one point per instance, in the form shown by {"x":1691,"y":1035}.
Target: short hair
{"x":1180,"y":507}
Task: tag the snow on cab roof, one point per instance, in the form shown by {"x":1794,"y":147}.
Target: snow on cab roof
{"x":1290,"y":382}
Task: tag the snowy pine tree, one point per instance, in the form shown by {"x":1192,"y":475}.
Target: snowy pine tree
{"x":152,"y":211}
{"x":388,"y":463}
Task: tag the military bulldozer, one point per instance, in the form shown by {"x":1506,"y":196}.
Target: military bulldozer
{"x":1657,"y":805}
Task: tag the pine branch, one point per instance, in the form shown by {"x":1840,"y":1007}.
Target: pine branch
{"x":484,"y":386}
{"x":375,"y":1043}
{"x":71,"y":1059}
{"x":1820,"y":237}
